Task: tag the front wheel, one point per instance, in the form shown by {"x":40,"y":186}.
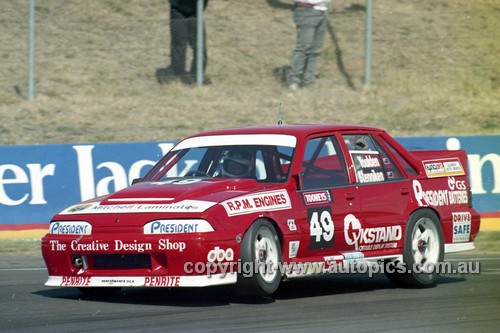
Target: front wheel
{"x":423,"y":250}
{"x":261,"y":251}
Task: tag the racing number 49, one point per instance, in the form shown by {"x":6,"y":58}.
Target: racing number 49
{"x":322,"y":229}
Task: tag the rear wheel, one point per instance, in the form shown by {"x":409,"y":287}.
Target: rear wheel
{"x":261,"y":250}
{"x":423,"y":250}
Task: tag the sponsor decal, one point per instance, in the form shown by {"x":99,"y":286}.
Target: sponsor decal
{"x":456,"y":194}
{"x":353,"y":255}
{"x":433,"y":169}
{"x":140,"y":281}
{"x":443,"y":167}
{"x":453,"y":167}
{"x":345,"y":257}
{"x":334,"y":258}
{"x":166,"y":244}
{"x":365,"y":164}
{"x":365,"y":239}
{"x":454,"y":184}
{"x":162,"y":281}
{"x":367,"y":161}
{"x":293,"y":249}
{"x":56,"y":246}
{"x":135,"y":246}
{"x":321,"y":227}
{"x":183,"y":206}
{"x":75,"y":281}
{"x":220,"y":255}
{"x":176,"y":227}
{"x":461,"y":226}
{"x":316,"y":197}
{"x":118,"y":281}
{"x":117,"y":245}
{"x":291,"y":225}
{"x":78,"y":208}
{"x":93,"y":246}
{"x":370,"y":177}
{"x":70,"y":228}
{"x":264,"y":201}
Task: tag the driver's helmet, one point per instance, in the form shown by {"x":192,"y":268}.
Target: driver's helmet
{"x":238,"y":163}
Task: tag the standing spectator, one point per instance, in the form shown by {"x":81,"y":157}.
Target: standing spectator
{"x":183,"y":32}
{"x":310,"y":17}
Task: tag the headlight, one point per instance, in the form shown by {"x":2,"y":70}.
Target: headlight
{"x":160,"y":227}
{"x":70,"y":228}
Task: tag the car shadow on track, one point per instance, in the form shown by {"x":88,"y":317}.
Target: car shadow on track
{"x":321,"y":285}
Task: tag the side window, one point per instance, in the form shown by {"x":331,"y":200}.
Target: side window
{"x":402,"y":161}
{"x":322,"y":167}
{"x":371,"y":162}
{"x":359,"y":142}
{"x":391,"y":170}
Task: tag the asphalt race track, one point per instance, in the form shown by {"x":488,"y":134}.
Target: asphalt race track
{"x":341,"y":303}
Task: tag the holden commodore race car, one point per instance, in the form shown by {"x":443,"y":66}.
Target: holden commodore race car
{"x":272,"y":199}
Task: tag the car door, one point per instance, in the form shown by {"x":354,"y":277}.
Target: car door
{"x":326,"y":196}
{"x":384,"y":194}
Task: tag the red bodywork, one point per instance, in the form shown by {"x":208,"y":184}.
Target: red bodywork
{"x":119,"y":252}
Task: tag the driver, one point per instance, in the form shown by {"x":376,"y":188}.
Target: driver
{"x":239,"y":162}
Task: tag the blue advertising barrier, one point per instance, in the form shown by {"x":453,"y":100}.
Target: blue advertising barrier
{"x":38,"y":181}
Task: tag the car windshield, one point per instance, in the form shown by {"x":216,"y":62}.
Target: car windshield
{"x":263,"y":157}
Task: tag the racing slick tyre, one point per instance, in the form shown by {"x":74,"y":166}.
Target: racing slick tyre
{"x":423,"y":250}
{"x":260,"y":250}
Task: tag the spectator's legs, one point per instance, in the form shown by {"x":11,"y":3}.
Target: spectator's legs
{"x":194,"y":45}
{"x":178,"y":42}
{"x":307,"y":21}
{"x":312,"y":59}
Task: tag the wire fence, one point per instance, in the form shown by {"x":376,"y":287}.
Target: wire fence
{"x":81,"y":42}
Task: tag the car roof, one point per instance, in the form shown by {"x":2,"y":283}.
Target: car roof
{"x":298,"y":130}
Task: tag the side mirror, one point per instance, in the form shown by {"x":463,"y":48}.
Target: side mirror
{"x":135,"y":181}
{"x":297,"y":178}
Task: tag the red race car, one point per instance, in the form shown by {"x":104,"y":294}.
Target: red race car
{"x":253,"y":206}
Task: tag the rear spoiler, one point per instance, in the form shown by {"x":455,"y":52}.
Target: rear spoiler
{"x":442,"y":163}
{"x":432,"y":163}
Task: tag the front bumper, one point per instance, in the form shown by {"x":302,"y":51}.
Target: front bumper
{"x":121,"y":260}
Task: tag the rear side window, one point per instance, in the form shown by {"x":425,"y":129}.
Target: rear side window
{"x":323,"y":165}
{"x":402,"y":161}
{"x":371,"y":162}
